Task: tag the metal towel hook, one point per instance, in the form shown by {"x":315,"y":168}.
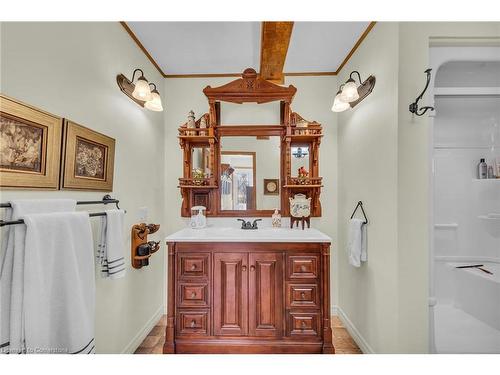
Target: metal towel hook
{"x":108,"y":197}
{"x":414,"y":106}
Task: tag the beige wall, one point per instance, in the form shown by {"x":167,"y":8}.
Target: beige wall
{"x":413,"y":171}
{"x":313,"y":101}
{"x":384,"y":160}
{"x":70,"y":69}
{"x":368,"y":172}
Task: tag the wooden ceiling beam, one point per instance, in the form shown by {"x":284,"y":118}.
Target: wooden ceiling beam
{"x":275,"y":38}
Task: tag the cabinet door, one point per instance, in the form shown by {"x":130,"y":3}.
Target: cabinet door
{"x":230,"y":294}
{"x":265,"y":294}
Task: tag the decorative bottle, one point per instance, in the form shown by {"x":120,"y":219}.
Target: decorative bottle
{"x":276,"y":219}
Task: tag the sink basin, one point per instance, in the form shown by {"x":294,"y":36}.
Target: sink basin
{"x":265,"y":234}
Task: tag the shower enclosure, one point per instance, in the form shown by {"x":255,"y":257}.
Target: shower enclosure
{"x":464,"y":302}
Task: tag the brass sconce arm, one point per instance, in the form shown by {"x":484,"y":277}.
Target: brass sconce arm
{"x":133,"y":74}
{"x":352,"y":79}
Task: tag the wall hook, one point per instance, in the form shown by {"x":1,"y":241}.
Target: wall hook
{"x":414,"y":106}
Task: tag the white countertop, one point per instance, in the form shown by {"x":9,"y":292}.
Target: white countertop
{"x":266,"y":234}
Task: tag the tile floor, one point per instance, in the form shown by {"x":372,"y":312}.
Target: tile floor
{"x":153,"y":343}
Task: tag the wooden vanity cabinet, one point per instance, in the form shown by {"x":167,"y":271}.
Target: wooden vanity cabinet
{"x":248,"y":298}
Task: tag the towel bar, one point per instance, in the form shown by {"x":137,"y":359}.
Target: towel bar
{"x":105,"y":200}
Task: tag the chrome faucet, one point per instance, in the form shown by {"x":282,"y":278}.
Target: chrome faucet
{"x":248,"y":225}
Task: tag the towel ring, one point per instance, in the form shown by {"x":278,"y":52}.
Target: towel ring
{"x":360,"y":205}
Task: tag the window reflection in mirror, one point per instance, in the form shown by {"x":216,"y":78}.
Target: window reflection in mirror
{"x":245,"y":163}
{"x":300,"y":157}
{"x":199,"y":159}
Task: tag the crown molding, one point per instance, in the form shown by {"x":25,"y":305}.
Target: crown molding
{"x":142,"y":48}
{"x":356,"y":45}
{"x":215,"y":75}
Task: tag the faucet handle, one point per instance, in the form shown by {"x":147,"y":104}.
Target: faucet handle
{"x":254,"y":224}
{"x":243,"y":223}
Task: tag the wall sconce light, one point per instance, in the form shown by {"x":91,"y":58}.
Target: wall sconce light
{"x":299,"y":152}
{"x":349,"y":94}
{"x":140,"y":91}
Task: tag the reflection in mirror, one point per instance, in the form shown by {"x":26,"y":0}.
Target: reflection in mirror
{"x":299,"y":158}
{"x":199,"y":160}
{"x":245,"y":163}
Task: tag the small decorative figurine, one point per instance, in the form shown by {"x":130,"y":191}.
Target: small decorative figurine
{"x":203,"y":125}
{"x":300,"y":210}
{"x":276,"y":219}
{"x":191,"y":124}
{"x":302,"y":174}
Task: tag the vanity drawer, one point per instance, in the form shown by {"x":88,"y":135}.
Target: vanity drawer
{"x":302,"y":295}
{"x":302,"y":324}
{"x":193,"y":265}
{"x":302,"y":266}
{"x":193,"y":322}
{"x":193,"y":295}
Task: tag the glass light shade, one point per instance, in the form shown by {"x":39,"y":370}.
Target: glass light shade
{"x":339,"y":105}
{"x":142,"y":91}
{"x":349,"y":92}
{"x":155,"y":103}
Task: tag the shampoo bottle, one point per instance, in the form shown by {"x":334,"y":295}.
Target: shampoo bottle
{"x":482,"y":170}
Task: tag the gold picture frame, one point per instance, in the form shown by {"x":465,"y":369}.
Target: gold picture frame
{"x":271,"y":186}
{"x":30,"y":146}
{"x":88,"y":159}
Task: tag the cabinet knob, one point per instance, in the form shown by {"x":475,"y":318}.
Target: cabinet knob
{"x":193,"y":267}
{"x":302,"y":295}
{"x":193,"y":294}
{"x":244,"y":268}
{"x":303,"y":268}
{"x":193,"y":323}
{"x":303,"y":324}
{"x":252,"y":268}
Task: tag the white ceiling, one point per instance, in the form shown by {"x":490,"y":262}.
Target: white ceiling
{"x":230,"y":47}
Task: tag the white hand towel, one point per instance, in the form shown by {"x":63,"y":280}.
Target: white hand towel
{"x":110,"y":251}
{"x":12,"y":268}
{"x":59,"y":288}
{"x":356,"y":246}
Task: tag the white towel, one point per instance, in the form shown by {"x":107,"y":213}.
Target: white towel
{"x":12,"y":269}
{"x":110,"y":250}
{"x":356,"y":246}
{"x":59,"y":288}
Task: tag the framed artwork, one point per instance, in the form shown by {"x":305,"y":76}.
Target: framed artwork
{"x":88,"y":159}
{"x":271,"y":186}
{"x":30,"y":146}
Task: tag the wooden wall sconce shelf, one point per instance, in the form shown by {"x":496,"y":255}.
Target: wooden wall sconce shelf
{"x":293,"y":131}
{"x":140,"y":244}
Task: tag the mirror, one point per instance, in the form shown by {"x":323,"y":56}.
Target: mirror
{"x":250,"y":172}
{"x":200,"y":159}
{"x":300,"y":157}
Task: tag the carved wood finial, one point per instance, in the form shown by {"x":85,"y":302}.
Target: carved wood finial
{"x":250,"y":88}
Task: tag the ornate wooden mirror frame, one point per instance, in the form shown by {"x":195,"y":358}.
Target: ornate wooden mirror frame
{"x":293,"y":130}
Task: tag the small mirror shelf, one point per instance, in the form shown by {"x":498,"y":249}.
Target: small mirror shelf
{"x":249,"y":170}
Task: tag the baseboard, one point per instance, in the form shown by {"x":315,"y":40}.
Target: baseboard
{"x":353,"y":331}
{"x":143,"y":332}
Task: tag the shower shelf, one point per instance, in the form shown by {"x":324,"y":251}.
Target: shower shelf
{"x":446,"y":226}
{"x":486,"y":217}
{"x":486,"y":180}
{"x":467,"y":91}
